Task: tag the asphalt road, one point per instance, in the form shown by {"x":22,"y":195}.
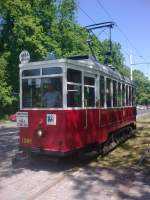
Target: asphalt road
{"x":52,"y":179}
{"x":142,"y":112}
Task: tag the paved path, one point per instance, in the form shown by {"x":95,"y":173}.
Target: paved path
{"x":47,"y":179}
{"x":142,"y":112}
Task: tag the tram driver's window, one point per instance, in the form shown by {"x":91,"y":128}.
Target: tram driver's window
{"x":74,"y":88}
{"x":108,"y":92}
{"x":52,"y":92}
{"x":31,"y":93}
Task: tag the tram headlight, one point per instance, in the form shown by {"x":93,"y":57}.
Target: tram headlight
{"x":39,"y":132}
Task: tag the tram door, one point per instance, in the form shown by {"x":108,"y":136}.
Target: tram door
{"x":89,"y":105}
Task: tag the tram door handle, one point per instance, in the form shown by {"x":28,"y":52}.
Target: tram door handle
{"x":86,"y":113}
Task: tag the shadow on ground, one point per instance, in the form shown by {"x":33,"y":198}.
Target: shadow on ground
{"x":116,"y":174}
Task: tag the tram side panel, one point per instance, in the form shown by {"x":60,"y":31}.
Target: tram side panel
{"x":73,"y":129}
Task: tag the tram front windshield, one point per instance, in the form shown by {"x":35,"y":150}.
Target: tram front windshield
{"x":42,"y":92}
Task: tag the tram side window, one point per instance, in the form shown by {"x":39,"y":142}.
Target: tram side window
{"x":114,"y":94}
{"x":123,"y":95}
{"x":127,"y":95}
{"x":73,"y":76}
{"x":89,"y":92}
{"x":108,"y":92}
{"x":74,"y":88}
{"x":130,"y":96}
{"x":102,"y":91}
{"x":119,"y":95}
{"x":133,"y":96}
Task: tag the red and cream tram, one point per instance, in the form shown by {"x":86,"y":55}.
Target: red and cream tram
{"x":67,"y":105}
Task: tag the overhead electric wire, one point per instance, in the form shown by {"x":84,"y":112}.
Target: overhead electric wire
{"x":120,"y":29}
{"x":87,"y":14}
{"x":103,"y":31}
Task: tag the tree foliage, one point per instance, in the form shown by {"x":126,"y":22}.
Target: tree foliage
{"x":142,"y":87}
{"x":42,"y":26}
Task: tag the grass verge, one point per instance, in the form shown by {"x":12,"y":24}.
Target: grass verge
{"x":129,"y":153}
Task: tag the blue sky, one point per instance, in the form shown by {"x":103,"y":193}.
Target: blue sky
{"x":133,"y":18}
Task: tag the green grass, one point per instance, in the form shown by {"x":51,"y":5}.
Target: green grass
{"x":129,"y":153}
{"x":4,"y":118}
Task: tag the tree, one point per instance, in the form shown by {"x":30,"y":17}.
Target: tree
{"x":6,"y":98}
{"x":42,"y":26}
{"x":142,"y":87}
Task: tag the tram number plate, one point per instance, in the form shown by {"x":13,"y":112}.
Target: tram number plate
{"x":26,"y":140}
{"x":22,"y":119}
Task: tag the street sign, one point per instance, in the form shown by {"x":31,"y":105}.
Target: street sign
{"x":24,"y":57}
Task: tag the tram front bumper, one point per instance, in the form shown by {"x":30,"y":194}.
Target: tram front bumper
{"x":38,"y":151}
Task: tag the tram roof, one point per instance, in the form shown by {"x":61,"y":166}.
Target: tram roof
{"x":86,"y":62}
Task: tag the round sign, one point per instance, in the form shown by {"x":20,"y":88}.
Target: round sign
{"x":24,"y":57}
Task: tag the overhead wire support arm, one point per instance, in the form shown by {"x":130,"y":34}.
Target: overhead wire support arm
{"x":95,"y":26}
{"x":89,"y":41}
{"x":100,"y":25}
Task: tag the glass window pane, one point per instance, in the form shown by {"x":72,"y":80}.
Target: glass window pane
{"x":123,"y":95}
{"x":31,"y":93}
{"x":89,"y":97}
{"x":31,"y":72}
{"x":73,"y":76}
{"x":130,"y":94}
{"x":102,"y":91}
{"x":127,"y":96}
{"x":43,"y":93}
{"x":51,"y":70}
{"x":119,"y":95}
{"x":52,"y":92}
{"x":133,"y":97}
{"x":108,"y":92}
{"x":114,"y":94}
{"x":89,"y":81}
{"x":74,"y":96}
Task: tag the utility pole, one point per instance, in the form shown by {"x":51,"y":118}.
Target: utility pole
{"x":131,"y":68}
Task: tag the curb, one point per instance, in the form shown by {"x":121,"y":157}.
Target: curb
{"x":8,"y":125}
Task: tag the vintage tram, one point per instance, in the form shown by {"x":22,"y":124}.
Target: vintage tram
{"x":72,"y":104}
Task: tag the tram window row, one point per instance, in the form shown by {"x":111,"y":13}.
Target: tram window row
{"x":83,"y":90}
{"x":112,"y":93}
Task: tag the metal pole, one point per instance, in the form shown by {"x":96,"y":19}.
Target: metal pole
{"x":131,"y":68}
{"x":110,"y":43}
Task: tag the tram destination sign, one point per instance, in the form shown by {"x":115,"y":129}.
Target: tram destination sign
{"x":22,"y":119}
{"x":24,"y":57}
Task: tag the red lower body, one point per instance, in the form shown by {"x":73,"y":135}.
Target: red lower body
{"x":74,"y":129}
